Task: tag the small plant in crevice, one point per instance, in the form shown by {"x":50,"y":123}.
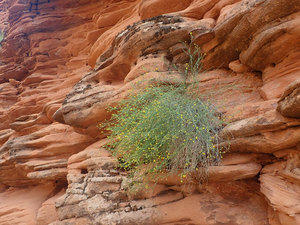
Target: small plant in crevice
{"x":165,"y":129}
{"x":1,"y":36}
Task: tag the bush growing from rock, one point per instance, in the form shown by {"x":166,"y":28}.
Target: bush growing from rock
{"x":164,"y":128}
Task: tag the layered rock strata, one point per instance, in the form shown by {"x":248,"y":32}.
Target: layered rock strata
{"x":64,"y":62}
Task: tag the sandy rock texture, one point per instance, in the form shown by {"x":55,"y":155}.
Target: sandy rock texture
{"x":62,"y":63}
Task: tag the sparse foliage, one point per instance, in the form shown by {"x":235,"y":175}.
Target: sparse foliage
{"x":1,"y":36}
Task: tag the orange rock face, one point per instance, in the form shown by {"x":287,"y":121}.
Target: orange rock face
{"x":62,"y":63}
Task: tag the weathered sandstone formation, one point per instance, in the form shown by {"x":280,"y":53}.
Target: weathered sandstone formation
{"x":63,"y":62}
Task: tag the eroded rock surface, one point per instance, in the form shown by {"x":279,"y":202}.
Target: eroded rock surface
{"x":64,"y":62}
{"x":96,"y":194}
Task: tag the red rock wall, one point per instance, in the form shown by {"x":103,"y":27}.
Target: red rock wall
{"x":63,"y":62}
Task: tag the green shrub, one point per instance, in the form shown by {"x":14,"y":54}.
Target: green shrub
{"x":1,"y":36}
{"x":164,"y":128}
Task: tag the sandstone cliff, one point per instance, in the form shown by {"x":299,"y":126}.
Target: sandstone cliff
{"x":62,"y":63}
